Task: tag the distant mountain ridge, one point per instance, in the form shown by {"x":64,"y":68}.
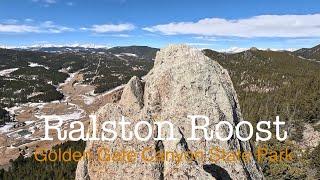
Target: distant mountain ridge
{"x":147,"y":52}
{"x":144,"y":52}
{"x":309,"y":53}
{"x":64,"y":49}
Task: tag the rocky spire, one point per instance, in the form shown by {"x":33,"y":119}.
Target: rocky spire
{"x":182,"y":82}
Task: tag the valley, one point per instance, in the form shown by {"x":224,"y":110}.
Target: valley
{"x":77,"y":99}
{"x":24,"y":135}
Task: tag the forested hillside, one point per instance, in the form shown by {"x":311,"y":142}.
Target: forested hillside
{"x":271,"y":84}
{"x":4,"y":116}
{"x":141,"y":51}
{"x":32,"y":76}
{"x":309,"y":53}
{"x":30,"y":169}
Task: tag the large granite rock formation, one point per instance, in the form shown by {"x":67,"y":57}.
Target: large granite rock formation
{"x":183,"y":82}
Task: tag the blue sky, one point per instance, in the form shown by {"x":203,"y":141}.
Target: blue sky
{"x":220,"y":25}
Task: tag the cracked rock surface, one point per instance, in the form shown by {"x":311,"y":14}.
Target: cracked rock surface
{"x":182,"y":82}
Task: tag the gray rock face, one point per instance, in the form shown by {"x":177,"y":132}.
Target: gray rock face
{"x":133,"y":94}
{"x":183,"y":82}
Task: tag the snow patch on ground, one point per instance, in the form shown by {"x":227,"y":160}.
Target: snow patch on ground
{"x":91,"y":93}
{"x":12,"y":109}
{"x":88,"y":99}
{"x":126,"y":54}
{"x":6,"y":127}
{"x":114,"y":89}
{"x":32,"y":64}
{"x":29,"y":122}
{"x":38,"y":105}
{"x":6,"y":72}
{"x":64,"y":70}
{"x":34,"y":94}
{"x":65,"y":117}
{"x":129,"y":54}
{"x":71,"y":76}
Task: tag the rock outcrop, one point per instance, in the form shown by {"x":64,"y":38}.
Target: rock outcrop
{"x":183,"y":82}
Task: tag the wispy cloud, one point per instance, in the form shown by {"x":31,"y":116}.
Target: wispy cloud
{"x":257,"y":26}
{"x":51,"y":27}
{"x":111,"y":35}
{"x":44,"y":27}
{"x":199,"y":44}
{"x":21,"y":28}
{"x":107,"y":28}
{"x":70,"y":3}
{"x":45,"y":3}
{"x":46,"y":44}
{"x":11,"y":21}
{"x":121,"y":35}
{"x":217,"y":39}
{"x":28,"y":20}
{"x":206,"y":38}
